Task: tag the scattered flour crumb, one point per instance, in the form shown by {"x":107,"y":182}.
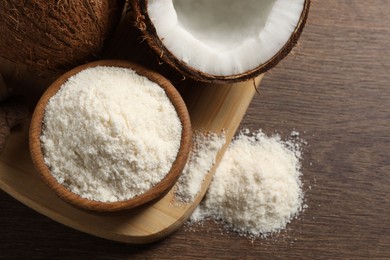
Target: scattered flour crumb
{"x":204,"y":151}
{"x":294,"y":133}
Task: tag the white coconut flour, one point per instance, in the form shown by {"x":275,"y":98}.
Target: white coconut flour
{"x":110,"y":134}
{"x":205,"y":148}
{"x":256,"y":189}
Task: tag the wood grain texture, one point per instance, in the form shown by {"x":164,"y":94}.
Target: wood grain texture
{"x":335,"y":91}
{"x":211,"y":108}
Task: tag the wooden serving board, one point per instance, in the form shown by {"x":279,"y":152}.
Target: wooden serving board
{"x":212,"y":108}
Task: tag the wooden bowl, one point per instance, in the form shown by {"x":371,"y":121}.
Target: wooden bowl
{"x":156,"y":191}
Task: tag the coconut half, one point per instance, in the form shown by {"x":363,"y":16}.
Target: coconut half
{"x":221,"y":40}
{"x":53,"y":36}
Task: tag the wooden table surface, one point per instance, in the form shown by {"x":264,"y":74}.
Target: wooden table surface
{"x":335,"y":91}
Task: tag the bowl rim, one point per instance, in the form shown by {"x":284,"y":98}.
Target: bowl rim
{"x":157,"y":191}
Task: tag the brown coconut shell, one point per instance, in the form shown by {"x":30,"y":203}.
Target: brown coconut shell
{"x":143,"y":22}
{"x":13,"y":111}
{"x":51,"y":35}
{"x":128,"y":43}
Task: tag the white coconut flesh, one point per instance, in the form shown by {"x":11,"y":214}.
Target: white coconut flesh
{"x":225,"y":37}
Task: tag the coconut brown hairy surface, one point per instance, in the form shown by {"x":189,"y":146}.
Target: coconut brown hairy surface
{"x":221,"y":41}
{"x":50,"y":35}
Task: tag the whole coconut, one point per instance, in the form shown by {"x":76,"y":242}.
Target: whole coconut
{"x":55,"y":35}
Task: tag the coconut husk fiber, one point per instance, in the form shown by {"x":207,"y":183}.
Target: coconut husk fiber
{"x":56,"y":35}
{"x":128,"y":43}
{"x":13,"y":111}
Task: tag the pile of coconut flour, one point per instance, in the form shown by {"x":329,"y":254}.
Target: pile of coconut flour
{"x":256,"y":189}
{"x":102,"y":136}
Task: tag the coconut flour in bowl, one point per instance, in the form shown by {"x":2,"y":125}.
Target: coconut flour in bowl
{"x":110,"y":134}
